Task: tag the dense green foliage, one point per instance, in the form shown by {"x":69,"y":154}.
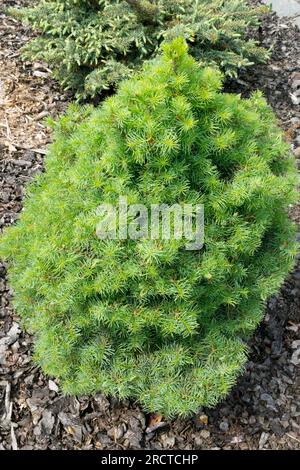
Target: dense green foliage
{"x":147,"y":319}
{"x":93,"y":44}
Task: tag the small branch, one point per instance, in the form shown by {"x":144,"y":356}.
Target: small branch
{"x":8,"y":131}
{"x":8,"y":405}
{"x":293,"y":437}
{"x":14,"y":443}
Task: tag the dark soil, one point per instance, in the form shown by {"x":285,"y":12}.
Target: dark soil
{"x":263,"y":409}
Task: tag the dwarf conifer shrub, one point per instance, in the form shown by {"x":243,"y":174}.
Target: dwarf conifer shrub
{"x":148,"y":319}
{"x":93,"y":44}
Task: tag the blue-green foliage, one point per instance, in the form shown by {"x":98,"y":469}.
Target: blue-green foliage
{"x":93,"y":44}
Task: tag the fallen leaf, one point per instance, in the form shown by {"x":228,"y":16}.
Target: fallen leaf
{"x":154,"y":420}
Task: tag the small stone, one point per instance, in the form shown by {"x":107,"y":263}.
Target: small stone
{"x":198,"y":441}
{"x":297,"y":152}
{"x":52,"y":386}
{"x":252,"y":420}
{"x":224,"y":426}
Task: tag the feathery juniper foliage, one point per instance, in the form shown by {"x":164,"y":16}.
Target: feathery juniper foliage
{"x":147,"y":319}
{"x":93,"y":44}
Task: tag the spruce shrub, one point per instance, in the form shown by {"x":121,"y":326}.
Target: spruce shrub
{"x":93,"y":44}
{"x":147,"y":319}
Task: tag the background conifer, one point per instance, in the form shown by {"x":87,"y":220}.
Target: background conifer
{"x":93,"y":44}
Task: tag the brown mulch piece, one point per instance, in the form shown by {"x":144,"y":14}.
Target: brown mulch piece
{"x":262,"y":411}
